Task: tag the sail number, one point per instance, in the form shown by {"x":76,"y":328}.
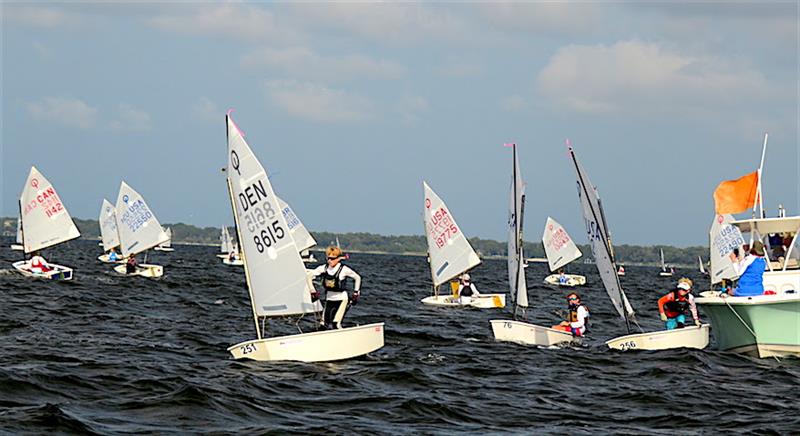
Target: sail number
{"x":260,"y":217}
{"x":248,"y":348}
{"x":627,"y":345}
{"x":268,"y":236}
{"x":441,"y":227}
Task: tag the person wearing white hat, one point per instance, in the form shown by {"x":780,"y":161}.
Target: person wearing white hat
{"x":466,"y":289}
{"x":673,"y":306}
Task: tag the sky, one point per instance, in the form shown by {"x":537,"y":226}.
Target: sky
{"x":351,"y":105}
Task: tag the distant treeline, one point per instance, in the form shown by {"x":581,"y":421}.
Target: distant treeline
{"x":414,"y":244}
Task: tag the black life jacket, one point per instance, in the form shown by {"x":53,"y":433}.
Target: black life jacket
{"x":466,"y":290}
{"x":678,"y":306}
{"x":572,"y":315}
{"x":332,"y":282}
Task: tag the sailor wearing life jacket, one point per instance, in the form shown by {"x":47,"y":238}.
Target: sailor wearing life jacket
{"x":334,"y":275}
{"x":751,"y":271}
{"x":466,"y":289}
{"x":673,"y":306}
{"x":577,"y":316}
{"x":38,"y":264}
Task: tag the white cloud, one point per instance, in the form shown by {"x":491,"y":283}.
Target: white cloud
{"x":641,"y":77}
{"x":305,"y":63}
{"x":317,"y":102}
{"x":130,"y":119}
{"x":206,"y":110}
{"x":235,"y":20}
{"x":38,"y":16}
{"x":411,"y":107}
{"x":70,"y":112}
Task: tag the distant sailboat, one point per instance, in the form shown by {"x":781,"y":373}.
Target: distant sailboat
{"x":17,"y":246}
{"x":139,"y":231}
{"x":45,"y":222}
{"x":603,"y":252}
{"x":225,"y":243}
{"x":702,"y":268}
{"x":109,"y":234}
{"x":560,"y":250}
{"x":514,"y":330}
{"x":621,"y":271}
{"x":166,"y":246}
{"x":450,"y":255}
{"x":664,"y":272}
{"x":276,"y":277}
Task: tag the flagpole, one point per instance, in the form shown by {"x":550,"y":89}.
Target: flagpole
{"x":760,"y":199}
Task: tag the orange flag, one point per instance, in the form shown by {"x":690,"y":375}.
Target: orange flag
{"x":734,"y":196}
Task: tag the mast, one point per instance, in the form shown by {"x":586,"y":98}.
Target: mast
{"x":241,"y":252}
{"x":606,"y":240}
{"x":21,"y":229}
{"x":759,"y":201}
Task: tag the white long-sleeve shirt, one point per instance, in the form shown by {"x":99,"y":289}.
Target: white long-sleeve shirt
{"x":345,"y":272}
{"x":580,"y":324}
{"x":740,"y":266}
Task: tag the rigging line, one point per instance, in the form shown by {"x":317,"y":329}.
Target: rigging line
{"x":740,"y":318}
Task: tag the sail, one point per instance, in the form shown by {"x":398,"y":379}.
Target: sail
{"x":139,"y":229}
{"x":19,"y":230}
{"x":450,"y":252}
{"x":724,"y":238}
{"x":559,"y":248}
{"x":45,"y":220}
{"x":663,"y":265}
{"x":108,"y":226}
{"x":599,"y":239}
{"x":225,"y":242}
{"x":168,"y":242}
{"x":276,"y":275}
{"x":700,"y":261}
{"x":301,"y":237}
{"x":518,"y":289}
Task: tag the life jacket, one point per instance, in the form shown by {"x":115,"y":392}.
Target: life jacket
{"x":112,"y":255}
{"x":572,"y":316}
{"x":466,"y":290}
{"x":677,"y":306}
{"x":37,"y":264}
{"x":130,"y":265}
{"x":332,"y":282}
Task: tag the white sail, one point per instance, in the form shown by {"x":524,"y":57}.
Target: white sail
{"x":108,"y":226}
{"x":663,"y":265}
{"x":226,"y":244}
{"x":19,"y":229}
{"x":724,"y":238}
{"x":518,"y":289}
{"x":139,"y":229}
{"x":276,"y":275}
{"x":45,"y":220}
{"x":450,"y":252}
{"x":168,"y":242}
{"x":702,"y":268}
{"x":299,"y":233}
{"x":559,"y":248}
{"x":599,"y":239}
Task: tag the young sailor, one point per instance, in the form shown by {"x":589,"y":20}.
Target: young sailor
{"x":112,"y":255}
{"x":562,"y":277}
{"x":131,"y":265}
{"x":466,"y":289}
{"x":751,"y":271}
{"x":38,"y":264}
{"x":577,"y":316}
{"x":333,"y":275}
{"x":674,"y":305}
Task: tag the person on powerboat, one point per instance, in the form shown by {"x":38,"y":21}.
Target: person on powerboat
{"x":674,"y":305}
{"x":577,"y":316}
{"x":750,"y":271}
{"x":38,"y":264}
{"x":466,"y":289}
{"x":334,"y":276}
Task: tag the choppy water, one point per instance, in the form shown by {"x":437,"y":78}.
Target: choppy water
{"x":112,"y":355}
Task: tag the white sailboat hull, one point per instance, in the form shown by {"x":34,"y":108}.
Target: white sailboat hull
{"x":323,"y":346}
{"x":222,"y":256}
{"x":142,"y":270}
{"x":572,"y":280}
{"x":167,"y":249}
{"x":687,"y":337}
{"x":104,"y":258}
{"x":483,"y":301}
{"x":235,"y":262}
{"x":665,"y":274}
{"x":59,"y":272}
{"x":16,"y":247}
{"x":528,"y":334}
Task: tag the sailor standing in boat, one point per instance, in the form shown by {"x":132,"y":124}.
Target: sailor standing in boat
{"x":334,"y":275}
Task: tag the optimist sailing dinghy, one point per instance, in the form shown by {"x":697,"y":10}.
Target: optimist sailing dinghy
{"x":664,"y":272}
{"x":603,"y":253}
{"x":44,"y":222}
{"x":514,"y":330}
{"x":276,"y":276}
{"x":17,"y":245}
{"x":139,"y":231}
{"x":108,"y":232}
{"x":560,"y":250}
{"x":450,"y":256}
{"x":166,"y":246}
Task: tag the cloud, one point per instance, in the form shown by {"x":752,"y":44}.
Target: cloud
{"x":317,"y":102}
{"x":206,"y":110}
{"x":235,"y":20}
{"x":305,"y":63}
{"x":410,"y":108}
{"x":637,"y":77}
{"x":38,"y":16}
{"x":70,"y":112}
{"x":130,"y":119}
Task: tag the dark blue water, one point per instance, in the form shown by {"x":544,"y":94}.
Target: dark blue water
{"x":112,"y":355}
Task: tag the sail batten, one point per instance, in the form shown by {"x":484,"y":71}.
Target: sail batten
{"x":450,"y":252}
{"x":45,"y":220}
